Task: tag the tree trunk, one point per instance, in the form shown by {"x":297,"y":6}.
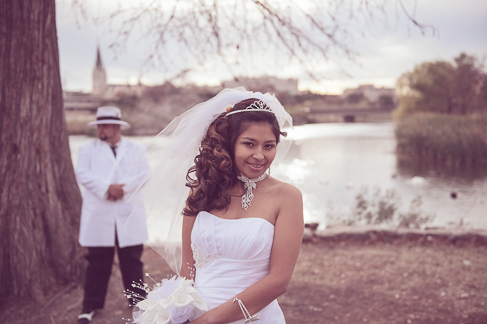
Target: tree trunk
{"x":40,"y":201}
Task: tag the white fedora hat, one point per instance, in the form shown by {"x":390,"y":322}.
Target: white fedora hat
{"x":108,"y":115}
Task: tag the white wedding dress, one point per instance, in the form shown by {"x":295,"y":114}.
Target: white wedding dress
{"x":231,"y":255}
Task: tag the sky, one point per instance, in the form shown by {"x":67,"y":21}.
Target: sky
{"x":387,"y":49}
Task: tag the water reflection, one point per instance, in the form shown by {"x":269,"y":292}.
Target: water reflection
{"x":331,"y":163}
{"x":459,"y":173}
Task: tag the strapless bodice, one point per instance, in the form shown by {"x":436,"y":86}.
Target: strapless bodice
{"x":231,"y":255}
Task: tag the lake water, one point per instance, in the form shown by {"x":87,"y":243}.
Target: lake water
{"x":332,"y":163}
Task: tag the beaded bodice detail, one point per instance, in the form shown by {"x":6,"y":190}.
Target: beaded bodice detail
{"x":201,"y":259}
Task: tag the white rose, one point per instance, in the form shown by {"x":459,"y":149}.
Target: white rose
{"x":172,"y":301}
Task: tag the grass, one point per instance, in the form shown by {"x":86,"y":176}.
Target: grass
{"x":443,"y":139}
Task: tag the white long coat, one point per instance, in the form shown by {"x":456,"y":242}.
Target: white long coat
{"x":96,"y":170}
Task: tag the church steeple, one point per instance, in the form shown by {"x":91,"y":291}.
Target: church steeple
{"x":99,"y":75}
{"x":99,"y":64}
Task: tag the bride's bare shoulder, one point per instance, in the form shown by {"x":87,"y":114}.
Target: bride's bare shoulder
{"x":286,"y":190}
{"x":290,"y":203}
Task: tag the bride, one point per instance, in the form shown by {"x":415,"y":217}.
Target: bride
{"x":241,"y":228}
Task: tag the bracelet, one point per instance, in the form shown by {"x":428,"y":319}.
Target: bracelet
{"x":247,"y":316}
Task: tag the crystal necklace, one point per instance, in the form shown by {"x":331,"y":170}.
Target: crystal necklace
{"x":249,"y":184}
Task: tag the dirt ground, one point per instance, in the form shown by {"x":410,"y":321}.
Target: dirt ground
{"x":340,"y":280}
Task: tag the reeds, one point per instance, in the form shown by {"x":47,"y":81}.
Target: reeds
{"x":443,"y":139}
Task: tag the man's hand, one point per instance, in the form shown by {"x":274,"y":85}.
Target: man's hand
{"x":115,"y":192}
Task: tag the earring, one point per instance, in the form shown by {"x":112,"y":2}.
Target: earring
{"x":269,"y":172}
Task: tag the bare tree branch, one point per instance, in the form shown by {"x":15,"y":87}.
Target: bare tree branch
{"x":422,"y":27}
{"x":184,"y":34}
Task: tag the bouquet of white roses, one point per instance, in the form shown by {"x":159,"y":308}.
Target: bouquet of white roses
{"x":172,"y":301}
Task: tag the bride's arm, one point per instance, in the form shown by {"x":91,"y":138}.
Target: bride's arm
{"x":187,"y":265}
{"x":285,"y":249}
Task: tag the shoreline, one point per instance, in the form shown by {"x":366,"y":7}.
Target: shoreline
{"x":375,"y":233}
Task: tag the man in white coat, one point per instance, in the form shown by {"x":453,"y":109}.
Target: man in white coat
{"x":110,"y":168}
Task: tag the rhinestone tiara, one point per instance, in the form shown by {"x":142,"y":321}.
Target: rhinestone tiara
{"x":258,"y":105}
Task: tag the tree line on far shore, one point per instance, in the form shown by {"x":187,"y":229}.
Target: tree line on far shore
{"x":442,"y":113}
{"x":458,"y":87}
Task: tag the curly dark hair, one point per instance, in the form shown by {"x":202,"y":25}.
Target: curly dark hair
{"x":213,"y":165}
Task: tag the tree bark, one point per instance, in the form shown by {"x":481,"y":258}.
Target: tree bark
{"x":40,"y":201}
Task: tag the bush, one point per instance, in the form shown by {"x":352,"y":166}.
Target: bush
{"x":375,"y":210}
{"x":382,"y":208}
{"x":415,"y":218}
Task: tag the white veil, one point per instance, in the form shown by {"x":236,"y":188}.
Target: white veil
{"x":164,"y":192}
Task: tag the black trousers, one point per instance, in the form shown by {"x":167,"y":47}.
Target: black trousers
{"x":100,"y":261}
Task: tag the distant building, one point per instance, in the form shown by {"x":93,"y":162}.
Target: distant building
{"x":112,"y":91}
{"x":371,"y":93}
{"x":105,"y":92}
{"x":265,"y":84}
{"x":99,"y":76}
{"x":102,"y":91}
